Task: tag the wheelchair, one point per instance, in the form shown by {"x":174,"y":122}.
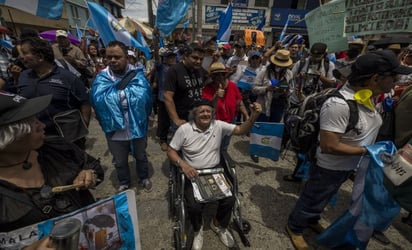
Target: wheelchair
{"x":182,"y":229}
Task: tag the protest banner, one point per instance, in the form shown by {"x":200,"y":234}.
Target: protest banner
{"x":378,"y":17}
{"x":326,"y":24}
{"x":107,"y":224}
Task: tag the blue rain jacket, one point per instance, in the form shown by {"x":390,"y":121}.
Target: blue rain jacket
{"x":105,"y":99}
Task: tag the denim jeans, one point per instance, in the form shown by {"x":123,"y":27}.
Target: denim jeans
{"x":120,"y":151}
{"x":319,"y":189}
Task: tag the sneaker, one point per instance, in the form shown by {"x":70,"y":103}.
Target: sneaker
{"x":255,"y":158}
{"x":163,"y":146}
{"x":224,"y":235}
{"x":297,"y":240}
{"x":318,"y":228}
{"x":147,"y":185}
{"x":122,"y":188}
{"x":198,"y":240}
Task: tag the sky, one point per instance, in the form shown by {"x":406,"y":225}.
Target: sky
{"x":136,"y":9}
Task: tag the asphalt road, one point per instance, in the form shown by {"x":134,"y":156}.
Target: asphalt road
{"x":266,"y":199}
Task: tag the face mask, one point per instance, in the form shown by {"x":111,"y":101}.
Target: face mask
{"x":278,"y":69}
{"x":352,"y":53}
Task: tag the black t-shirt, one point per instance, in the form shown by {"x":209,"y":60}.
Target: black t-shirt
{"x":68,"y":91}
{"x":187,"y":86}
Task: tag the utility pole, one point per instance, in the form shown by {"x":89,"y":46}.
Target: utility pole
{"x":193,"y":36}
{"x":150,"y":13}
{"x":199,"y":18}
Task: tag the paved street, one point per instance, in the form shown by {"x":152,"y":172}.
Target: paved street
{"x":266,"y":199}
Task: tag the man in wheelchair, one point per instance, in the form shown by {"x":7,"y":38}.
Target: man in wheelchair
{"x":198,"y":142}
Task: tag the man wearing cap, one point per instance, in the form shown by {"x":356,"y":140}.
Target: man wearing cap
{"x":355,"y":48}
{"x":339,"y":151}
{"x":313,"y":73}
{"x":167,"y":59}
{"x":63,"y":49}
{"x":211,"y":55}
{"x":122,"y":99}
{"x":184,"y":83}
{"x":239,"y":56}
{"x":199,"y":142}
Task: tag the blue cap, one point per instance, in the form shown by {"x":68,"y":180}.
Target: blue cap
{"x":254,"y":53}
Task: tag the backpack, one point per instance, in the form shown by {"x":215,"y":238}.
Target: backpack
{"x":304,"y":125}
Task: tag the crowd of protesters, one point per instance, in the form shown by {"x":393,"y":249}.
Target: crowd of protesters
{"x":124,"y":89}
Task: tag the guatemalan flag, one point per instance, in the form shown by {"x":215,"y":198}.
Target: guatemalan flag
{"x":170,"y":13}
{"x":51,"y":9}
{"x":266,"y":139}
{"x":372,"y":207}
{"x":110,"y":29}
{"x":225,"y":24}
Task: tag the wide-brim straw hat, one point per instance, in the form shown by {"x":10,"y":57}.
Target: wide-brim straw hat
{"x":217,"y":67}
{"x":281,"y":58}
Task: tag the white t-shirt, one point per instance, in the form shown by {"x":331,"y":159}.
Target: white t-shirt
{"x":201,"y":149}
{"x":334,"y":117}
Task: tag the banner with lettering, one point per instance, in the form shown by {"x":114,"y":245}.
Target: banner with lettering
{"x":326,"y":24}
{"x":107,"y":224}
{"x":377,"y":17}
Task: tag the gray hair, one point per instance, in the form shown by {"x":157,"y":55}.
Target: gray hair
{"x":13,"y":131}
{"x":192,"y":114}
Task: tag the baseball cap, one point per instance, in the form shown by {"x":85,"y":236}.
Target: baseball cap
{"x":379,"y":62}
{"x":61,"y":33}
{"x":318,"y":48}
{"x":254,"y":53}
{"x":14,"y":108}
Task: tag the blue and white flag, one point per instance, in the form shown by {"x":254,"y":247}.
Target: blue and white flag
{"x":261,"y":24}
{"x":110,"y":29}
{"x":79,"y":33}
{"x":372,"y":207}
{"x":247,"y":80}
{"x":50,"y":9}
{"x":282,"y":35}
{"x":142,"y":41}
{"x":170,"y":13}
{"x":225,"y":24}
{"x":266,"y":139}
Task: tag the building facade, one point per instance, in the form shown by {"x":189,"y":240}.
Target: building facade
{"x":248,"y":14}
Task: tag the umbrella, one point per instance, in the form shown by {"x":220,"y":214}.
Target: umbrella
{"x":131,"y":25}
{"x":51,"y":36}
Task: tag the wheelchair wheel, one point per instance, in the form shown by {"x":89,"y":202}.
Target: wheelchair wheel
{"x":177,"y":243}
{"x":172,"y":193}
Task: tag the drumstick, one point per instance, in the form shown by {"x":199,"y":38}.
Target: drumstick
{"x":66,"y":188}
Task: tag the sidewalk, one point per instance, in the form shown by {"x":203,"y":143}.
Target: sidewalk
{"x":266,"y":199}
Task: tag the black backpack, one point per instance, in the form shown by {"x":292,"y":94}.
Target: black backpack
{"x":304,"y":125}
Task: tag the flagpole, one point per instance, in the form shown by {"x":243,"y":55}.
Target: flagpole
{"x":12,"y":21}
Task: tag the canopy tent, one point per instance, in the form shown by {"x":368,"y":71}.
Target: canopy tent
{"x":132,"y":25}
